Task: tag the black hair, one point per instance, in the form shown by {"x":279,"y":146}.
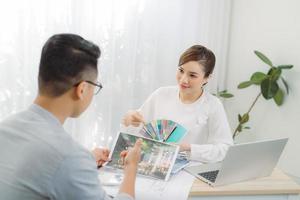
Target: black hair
{"x":65,"y":60}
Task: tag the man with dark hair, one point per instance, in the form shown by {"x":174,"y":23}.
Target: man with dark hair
{"x":38,"y":159}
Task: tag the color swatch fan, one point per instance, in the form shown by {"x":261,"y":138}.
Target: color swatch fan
{"x":164,"y":131}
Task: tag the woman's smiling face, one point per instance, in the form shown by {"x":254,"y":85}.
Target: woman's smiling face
{"x":191,"y":77}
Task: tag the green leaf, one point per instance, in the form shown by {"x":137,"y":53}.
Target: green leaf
{"x":244,"y":84}
{"x":258,"y":77}
{"x":264,"y":58}
{"x":275,"y":73}
{"x":278,"y":98}
{"x":226,"y":95}
{"x":239,"y":117}
{"x":285,"y":85}
{"x":223,"y":94}
{"x":245,"y":118}
{"x":285,"y":66}
{"x":224,"y":91}
{"x":269,"y":88}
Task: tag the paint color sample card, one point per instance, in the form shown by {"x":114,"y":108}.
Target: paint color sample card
{"x":164,"y":131}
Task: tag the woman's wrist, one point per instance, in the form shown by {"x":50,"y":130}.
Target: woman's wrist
{"x":185,"y":147}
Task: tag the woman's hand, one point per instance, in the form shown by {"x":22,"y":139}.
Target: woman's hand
{"x":133,"y":118}
{"x":184,"y":147}
{"x":101,"y":156}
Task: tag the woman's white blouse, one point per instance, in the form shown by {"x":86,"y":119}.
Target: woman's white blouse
{"x":208,"y":130}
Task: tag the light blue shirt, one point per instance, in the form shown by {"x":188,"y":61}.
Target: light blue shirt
{"x":39,"y":160}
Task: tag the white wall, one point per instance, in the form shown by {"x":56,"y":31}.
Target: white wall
{"x":272,"y":27}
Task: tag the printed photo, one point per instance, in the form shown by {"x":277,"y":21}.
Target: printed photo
{"x":157,"y":158}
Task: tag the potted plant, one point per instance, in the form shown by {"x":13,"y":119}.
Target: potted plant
{"x":270,"y":84}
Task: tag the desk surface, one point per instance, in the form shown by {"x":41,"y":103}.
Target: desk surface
{"x":276,"y":183}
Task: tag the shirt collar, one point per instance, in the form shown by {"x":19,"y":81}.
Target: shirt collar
{"x":45,"y":114}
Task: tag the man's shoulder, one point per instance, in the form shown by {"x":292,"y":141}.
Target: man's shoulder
{"x":44,"y":138}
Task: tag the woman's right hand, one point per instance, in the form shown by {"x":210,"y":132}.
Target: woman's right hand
{"x":133,"y":118}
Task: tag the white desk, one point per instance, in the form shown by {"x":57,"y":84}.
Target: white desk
{"x":278,"y":186}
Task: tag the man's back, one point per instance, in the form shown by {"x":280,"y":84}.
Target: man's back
{"x":35,"y":154}
{"x":38,"y":159}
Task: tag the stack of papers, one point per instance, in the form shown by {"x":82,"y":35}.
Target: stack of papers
{"x":163,"y":131}
{"x":181,"y":161}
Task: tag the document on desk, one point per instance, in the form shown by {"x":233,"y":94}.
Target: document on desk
{"x":177,"y":187}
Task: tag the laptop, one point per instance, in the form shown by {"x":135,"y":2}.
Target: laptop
{"x":242,"y":162}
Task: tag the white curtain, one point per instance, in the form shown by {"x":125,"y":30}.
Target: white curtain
{"x":141,"y":41}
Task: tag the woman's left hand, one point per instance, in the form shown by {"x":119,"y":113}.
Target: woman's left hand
{"x":185,"y":147}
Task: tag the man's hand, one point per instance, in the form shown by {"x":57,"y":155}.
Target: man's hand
{"x":131,"y":159}
{"x":133,"y":118}
{"x":132,"y":156}
{"x":101,"y":156}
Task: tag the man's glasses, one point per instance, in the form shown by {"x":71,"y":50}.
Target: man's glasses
{"x":97,"y":84}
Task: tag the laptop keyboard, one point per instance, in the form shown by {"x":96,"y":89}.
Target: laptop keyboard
{"x":211,"y":175}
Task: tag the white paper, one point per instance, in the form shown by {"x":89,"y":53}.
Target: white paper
{"x":178,"y":187}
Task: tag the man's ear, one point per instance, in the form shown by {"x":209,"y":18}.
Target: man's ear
{"x":80,"y":90}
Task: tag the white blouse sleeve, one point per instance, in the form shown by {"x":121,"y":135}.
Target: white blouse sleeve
{"x":146,"y":110}
{"x":219,"y":137}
